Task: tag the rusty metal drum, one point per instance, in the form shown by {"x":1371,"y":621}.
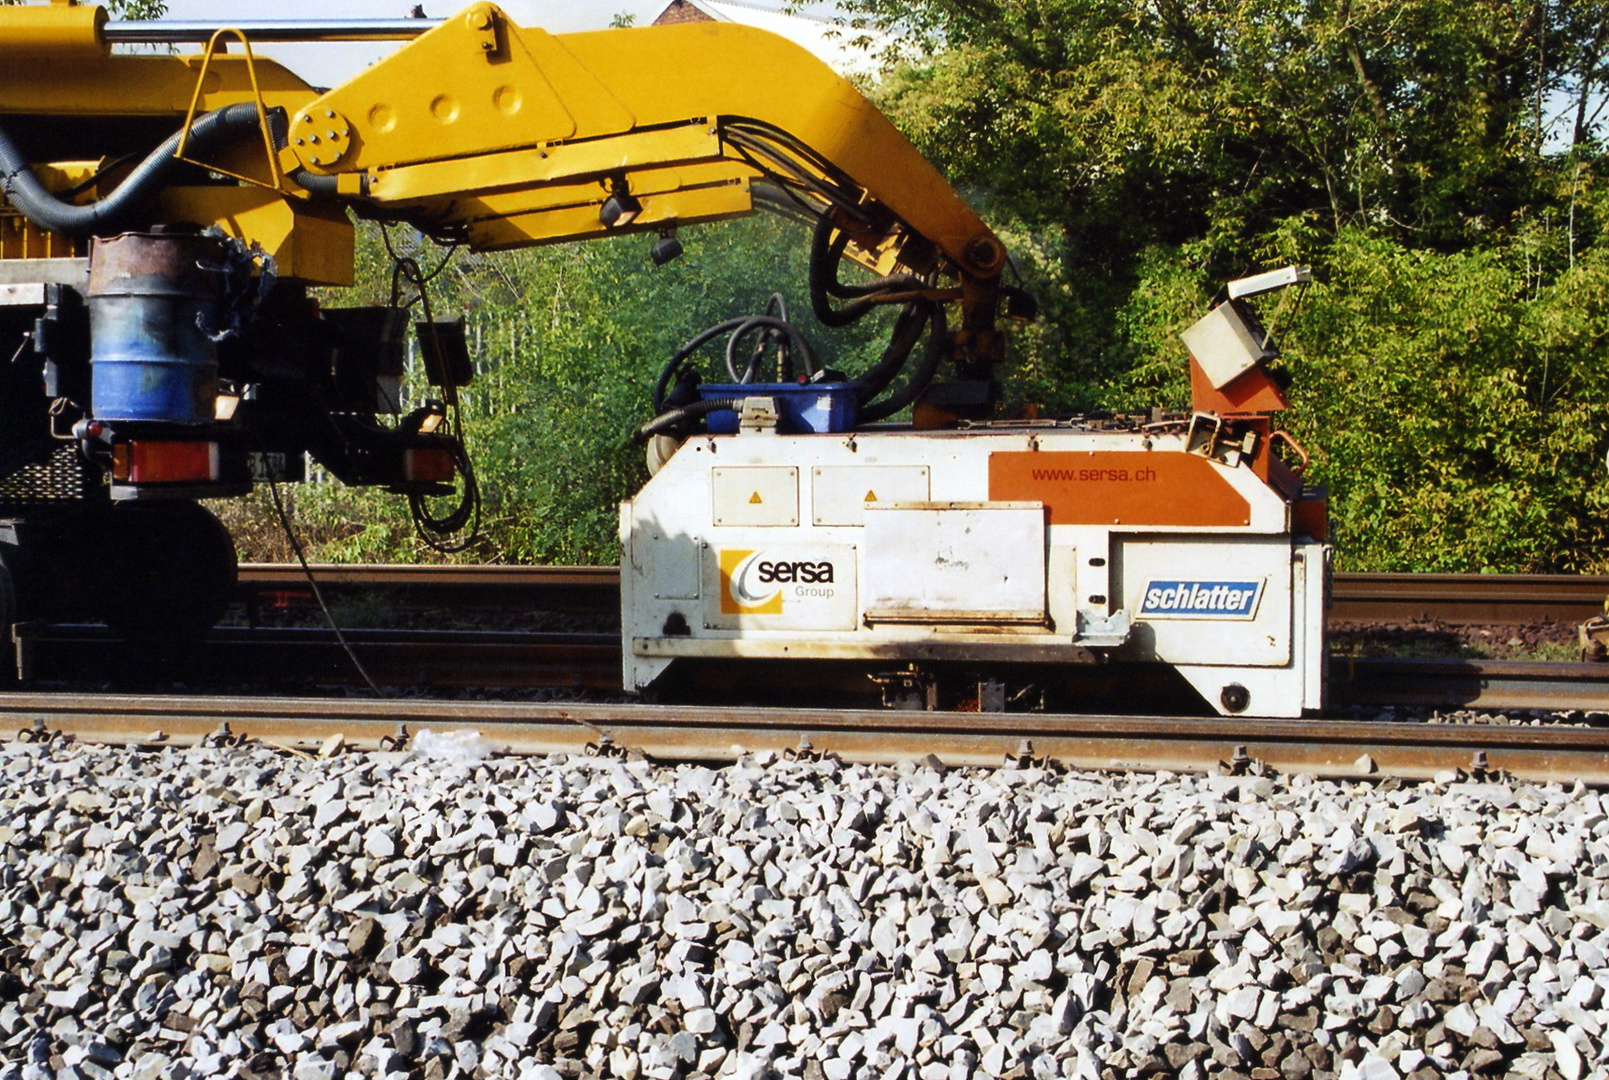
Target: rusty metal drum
{"x":154,"y":303}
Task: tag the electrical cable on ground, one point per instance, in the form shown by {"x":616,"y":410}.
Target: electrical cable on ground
{"x":318,"y":594}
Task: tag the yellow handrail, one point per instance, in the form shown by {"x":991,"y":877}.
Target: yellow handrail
{"x":262,"y":114}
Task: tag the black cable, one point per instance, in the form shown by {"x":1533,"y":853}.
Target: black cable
{"x":908,"y":327}
{"x":687,"y":350}
{"x":666,"y":420}
{"x":762,"y":138}
{"x":918,"y":380}
{"x":826,"y":253}
{"x":784,"y":203}
{"x":423,"y":278}
{"x":434,"y":529}
{"x":318,"y":594}
{"x":770,"y":333}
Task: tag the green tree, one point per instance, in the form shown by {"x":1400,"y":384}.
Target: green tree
{"x":1166,"y":120}
{"x":124,"y":9}
{"x":567,"y":343}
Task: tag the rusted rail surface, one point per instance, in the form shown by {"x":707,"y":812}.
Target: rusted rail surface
{"x":300,"y":657}
{"x":278,"y":658}
{"x":1325,"y":748}
{"x":481,"y":588}
{"x":1459,"y":599}
{"x":1466,"y":599}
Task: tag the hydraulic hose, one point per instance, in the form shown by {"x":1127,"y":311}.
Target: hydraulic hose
{"x":908,"y":326}
{"x":745,"y":322}
{"x":666,"y":420}
{"x":932,"y":356}
{"x":114,"y":213}
{"x":826,"y":251}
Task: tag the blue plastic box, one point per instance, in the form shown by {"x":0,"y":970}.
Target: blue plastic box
{"x":809,"y":409}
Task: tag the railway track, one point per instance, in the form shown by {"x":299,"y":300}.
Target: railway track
{"x":1324,"y":748}
{"x":1455,"y":599}
{"x":284,"y":658}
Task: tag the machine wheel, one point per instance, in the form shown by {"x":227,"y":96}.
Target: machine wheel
{"x":169,"y":571}
{"x":10,"y":609}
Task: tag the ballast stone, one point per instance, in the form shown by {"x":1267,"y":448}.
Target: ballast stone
{"x":584,"y":918}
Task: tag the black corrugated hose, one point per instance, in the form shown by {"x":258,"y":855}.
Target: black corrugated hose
{"x":117,"y":211}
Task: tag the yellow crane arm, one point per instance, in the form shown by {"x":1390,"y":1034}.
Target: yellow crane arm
{"x":519,"y":136}
{"x":501,"y":136}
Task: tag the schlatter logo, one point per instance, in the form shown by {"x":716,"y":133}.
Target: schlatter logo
{"x":1201,"y":599}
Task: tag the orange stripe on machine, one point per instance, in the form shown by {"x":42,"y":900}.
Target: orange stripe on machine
{"x":1119,"y":487}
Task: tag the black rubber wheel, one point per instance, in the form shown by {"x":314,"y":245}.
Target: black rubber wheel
{"x":168,"y":572}
{"x":10,"y":612}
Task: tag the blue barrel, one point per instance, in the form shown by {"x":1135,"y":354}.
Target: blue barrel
{"x":152,"y":302}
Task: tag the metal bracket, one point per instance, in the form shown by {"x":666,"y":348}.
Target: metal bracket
{"x":991,"y":696}
{"x":21,"y":635}
{"x":1594,"y":639}
{"x":806,"y":752}
{"x":758,"y":415}
{"x":606,"y":747}
{"x":1103,"y":631}
{"x":1209,"y":436}
{"x":1025,"y":758}
{"x":223,"y":737}
{"x":397,"y":741}
{"x":483,"y":22}
{"x":907,"y":691}
{"x":1241,"y":763}
{"x":37,"y":732}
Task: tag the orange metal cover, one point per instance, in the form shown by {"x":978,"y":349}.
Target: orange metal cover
{"x":1118,"y":487}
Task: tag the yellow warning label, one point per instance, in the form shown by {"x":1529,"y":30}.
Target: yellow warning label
{"x":871,"y":496}
{"x":755,"y":498}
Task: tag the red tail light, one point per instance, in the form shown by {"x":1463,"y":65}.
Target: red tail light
{"x":150,"y":462}
{"x":428,"y":466}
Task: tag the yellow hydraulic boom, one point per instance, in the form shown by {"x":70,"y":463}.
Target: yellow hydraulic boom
{"x":501,"y":136}
{"x":163,"y":218}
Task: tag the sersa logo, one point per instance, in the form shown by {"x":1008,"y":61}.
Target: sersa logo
{"x":1201,"y":599}
{"x":754,"y":584}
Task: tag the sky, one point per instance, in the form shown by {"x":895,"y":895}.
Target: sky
{"x":327,"y":64}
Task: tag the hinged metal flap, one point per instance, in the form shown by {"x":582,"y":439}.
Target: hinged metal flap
{"x":955,"y":562}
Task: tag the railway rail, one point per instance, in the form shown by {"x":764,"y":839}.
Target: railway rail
{"x":1324,"y":748}
{"x":1455,"y":599}
{"x":285,"y":659}
{"x":280,"y":658}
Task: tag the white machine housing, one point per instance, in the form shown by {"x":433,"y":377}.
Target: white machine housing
{"x":1054,"y":544}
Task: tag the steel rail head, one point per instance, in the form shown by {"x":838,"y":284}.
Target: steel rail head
{"x":1261,"y":750}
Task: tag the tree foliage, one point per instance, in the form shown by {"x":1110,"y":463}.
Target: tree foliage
{"x":1438,"y":164}
{"x":124,"y":9}
{"x":567,"y":343}
{"x":1139,"y":121}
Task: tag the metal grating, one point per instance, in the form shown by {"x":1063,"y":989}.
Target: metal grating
{"x":64,"y":478}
